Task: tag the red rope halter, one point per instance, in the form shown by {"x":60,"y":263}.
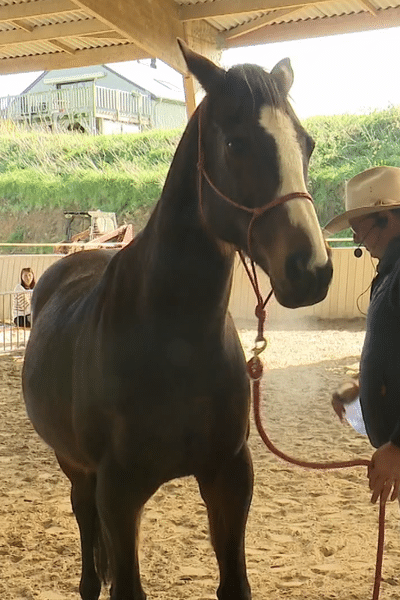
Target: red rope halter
{"x":254,"y":212}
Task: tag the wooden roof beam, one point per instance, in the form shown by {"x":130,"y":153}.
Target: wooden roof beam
{"x":61,"y":46}
{"x":236,"y":32}
{"x":221,"y":8}
{"x":370,"y":7}
{"x":22,"y":25}
{"x":151,"y":24}
{"x":81,"y":58}
{"x":31,"y":10}
{"x":298,"y":30}
{"x":109,"y":35}
{"x":51,"y":32}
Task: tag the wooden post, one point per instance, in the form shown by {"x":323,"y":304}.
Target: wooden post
{"x":93,"y":119}
{"x":201,"y":38}
{"x":190,"y":96}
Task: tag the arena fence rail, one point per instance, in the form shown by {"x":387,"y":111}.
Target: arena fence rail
{"x":13,"y":338}
{"x":348,"y":296}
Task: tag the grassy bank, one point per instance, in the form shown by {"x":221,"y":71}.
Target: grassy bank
{"x":125,"y":173}
{"x":70,"y":171}
{"x":346,"y":145}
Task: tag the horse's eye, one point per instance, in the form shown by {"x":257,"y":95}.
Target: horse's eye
{"x":236,"y":146}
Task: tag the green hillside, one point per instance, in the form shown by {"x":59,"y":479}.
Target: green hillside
{"x":72,"y":171}
{"x":346,"y":145}
{"x":125,"y":173}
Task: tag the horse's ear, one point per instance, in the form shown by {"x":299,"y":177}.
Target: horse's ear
{"x":206,"y":72}
{"x":283,"y":75}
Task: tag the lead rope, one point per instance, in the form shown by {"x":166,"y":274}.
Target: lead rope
{"x":255,"y":371}
{"x":254,"y":365}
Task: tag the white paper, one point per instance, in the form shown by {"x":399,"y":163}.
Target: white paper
{"x":354,"y":416}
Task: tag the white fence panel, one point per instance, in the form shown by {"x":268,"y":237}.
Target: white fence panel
{"x":348,"y":295}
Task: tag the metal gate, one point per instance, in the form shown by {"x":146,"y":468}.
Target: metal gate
{"x":13,"y":337}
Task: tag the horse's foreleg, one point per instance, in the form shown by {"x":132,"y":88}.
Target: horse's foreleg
{"x":83,"y":487}
{"x":120,"y":497}
{"x":227,"y":497}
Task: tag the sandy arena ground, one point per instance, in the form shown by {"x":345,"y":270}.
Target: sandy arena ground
{"x":311,"y":535}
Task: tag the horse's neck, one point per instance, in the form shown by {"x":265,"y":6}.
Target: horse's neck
{"x":184,"y":266}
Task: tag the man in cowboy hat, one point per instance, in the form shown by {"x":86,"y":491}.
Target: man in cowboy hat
{"x":373,"y":213}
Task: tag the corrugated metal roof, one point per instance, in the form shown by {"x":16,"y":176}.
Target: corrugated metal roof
{"x":59,"y":19}
{"x":220,"y":23}
{"x":30,"y":28}
{"x":7,"y":27}
{"x":229,"y":23}
{"x":310,"y":11}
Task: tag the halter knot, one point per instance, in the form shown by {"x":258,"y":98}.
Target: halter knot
{"x":255,"y":368}
{"x":258,"y":211}
{"x":260,"y":312}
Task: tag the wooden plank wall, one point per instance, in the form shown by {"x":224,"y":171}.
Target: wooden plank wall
{"x":345,"y":300}
{"x":348,"y":295}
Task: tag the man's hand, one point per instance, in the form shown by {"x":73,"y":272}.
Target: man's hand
{"x":384,"y":473}
{"x":338,"y":407}
{"x":344,"y":394}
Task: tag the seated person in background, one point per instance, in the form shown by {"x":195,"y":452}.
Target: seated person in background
{"x":22,"y":298}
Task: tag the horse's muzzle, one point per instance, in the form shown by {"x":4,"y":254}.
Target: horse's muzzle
{"x":303,"y":285}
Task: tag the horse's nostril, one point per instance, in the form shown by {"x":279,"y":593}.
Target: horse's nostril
{"x":296,"y":265}
{"x":325,"y":275}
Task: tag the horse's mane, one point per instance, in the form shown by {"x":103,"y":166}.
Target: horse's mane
{"x":256,"y":83}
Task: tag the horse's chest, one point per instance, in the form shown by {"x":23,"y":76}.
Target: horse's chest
{"x":161,"y":423}
{"x":183,"y":433}
{"x":172,"y":408}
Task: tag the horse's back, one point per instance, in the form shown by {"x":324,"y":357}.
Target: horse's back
{"x":70,"y":278}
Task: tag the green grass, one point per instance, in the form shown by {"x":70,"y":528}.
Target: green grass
{"x":346,"y":145}
{"x":126,"y":173}
{"x":71,"y":171}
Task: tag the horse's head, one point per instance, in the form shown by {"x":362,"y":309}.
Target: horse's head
{"x":254,"y":153}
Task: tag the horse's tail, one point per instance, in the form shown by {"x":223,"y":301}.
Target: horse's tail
{"x":101,"y":559}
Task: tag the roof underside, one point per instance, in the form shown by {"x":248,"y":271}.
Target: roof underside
{"x":49,"y":34}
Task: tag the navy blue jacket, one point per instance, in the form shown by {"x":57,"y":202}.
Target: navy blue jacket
{"x":380,"y":358}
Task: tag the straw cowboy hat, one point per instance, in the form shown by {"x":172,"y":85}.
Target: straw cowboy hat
{"x":373,"y":190}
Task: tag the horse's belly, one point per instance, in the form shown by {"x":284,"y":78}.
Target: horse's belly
{"x":169,"y":440}
{"x":47,"y":392}
{"x":51,"y":418}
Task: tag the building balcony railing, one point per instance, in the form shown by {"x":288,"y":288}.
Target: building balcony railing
{"x":90,"y":101}
{"x":121,"y":105}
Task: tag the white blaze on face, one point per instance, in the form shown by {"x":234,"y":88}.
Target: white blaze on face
{"x":290,"y":161}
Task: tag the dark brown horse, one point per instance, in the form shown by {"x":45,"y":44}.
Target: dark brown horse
{"x":134,"y":373}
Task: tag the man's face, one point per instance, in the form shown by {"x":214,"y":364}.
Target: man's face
{"x":366,"y":232}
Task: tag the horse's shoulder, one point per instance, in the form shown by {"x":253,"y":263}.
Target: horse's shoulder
{"x":71,"y":277}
